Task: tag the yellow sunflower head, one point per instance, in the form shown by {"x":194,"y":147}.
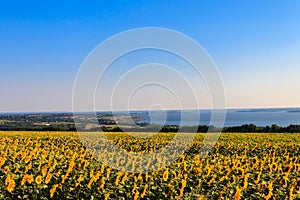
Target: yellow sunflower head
{"x":38,"y":179}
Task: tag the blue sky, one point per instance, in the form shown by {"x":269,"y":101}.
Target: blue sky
{"x":254,"y":43}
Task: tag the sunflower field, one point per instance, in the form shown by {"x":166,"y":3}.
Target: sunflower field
{"x":57,"y":165}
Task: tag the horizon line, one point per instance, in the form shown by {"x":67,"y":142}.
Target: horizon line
{"x":139,"y":110}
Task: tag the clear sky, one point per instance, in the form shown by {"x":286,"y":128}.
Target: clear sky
{"x":254,"y":43}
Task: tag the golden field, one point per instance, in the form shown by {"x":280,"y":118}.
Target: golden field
{"x":56,"y":165}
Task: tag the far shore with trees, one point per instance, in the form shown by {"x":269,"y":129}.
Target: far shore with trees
{"x":107,"y":123}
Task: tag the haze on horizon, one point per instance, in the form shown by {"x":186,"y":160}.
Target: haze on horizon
{"x":255,"y":44}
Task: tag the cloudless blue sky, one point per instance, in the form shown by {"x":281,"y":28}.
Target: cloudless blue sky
{"x":255,"y":44}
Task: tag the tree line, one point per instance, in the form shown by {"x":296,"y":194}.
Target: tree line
{"x":246,"y":128}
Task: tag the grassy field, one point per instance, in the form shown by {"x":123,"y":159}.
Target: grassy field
{"x":45,"y":165}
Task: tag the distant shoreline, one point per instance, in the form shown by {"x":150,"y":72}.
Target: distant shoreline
{"x":237,"y":120}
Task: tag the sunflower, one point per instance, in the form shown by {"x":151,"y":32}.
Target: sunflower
{"x":2,"y":160}
{"x":174,"y":174}
{"x":183,"y":184}
{"x":166,"y":175}
{"x":212,"y":179}
{"x":23,"y":155}
{"x":139,"y":178}
{"x":53,"y":189}
{"x":28,"y":167}
{"x":144,"y":191}
{"x":124,"y":178}
{"x":38,"y":180}
{"x":44,"y":170}
{"x":184,"y":166}
{"x":102,"y":183}
{"x":284,"y":182}
{"x":108,"y":172}
{"x":197,"y":171}
{"x":118,"y":178}
{"x":106,"y":196}
{"x":23,"y":180}
{"x":240,"y":172}
{"x":197,"y":159}
{"x":134,"y":188}
{"x":238,"y":193}
{"x":98,"y":174}
{"x":44,"y":154}
{"x":291,"y":195}
{"x":89,"y":185}
{"x":136,"y":196}
{"x":6,"y":169}
{"x":269,"y":191}
{"x":146,"y":176}
{"x":245,"y":183}
{"x":102,"y":168}
{"x":91,"y":173}
{"x":274,"y":166}
{"x":30,"y":179}
{"x":27,"y":159}
{"x":257,"y":177}
{"x":64,"y":177}
{"x":180,"y":160}
{"x":263,"y":185}
{"x":11,"y":185}
{"x":254,"y":161}
{"x":48,"y":178}
{"x":80,"y":178}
